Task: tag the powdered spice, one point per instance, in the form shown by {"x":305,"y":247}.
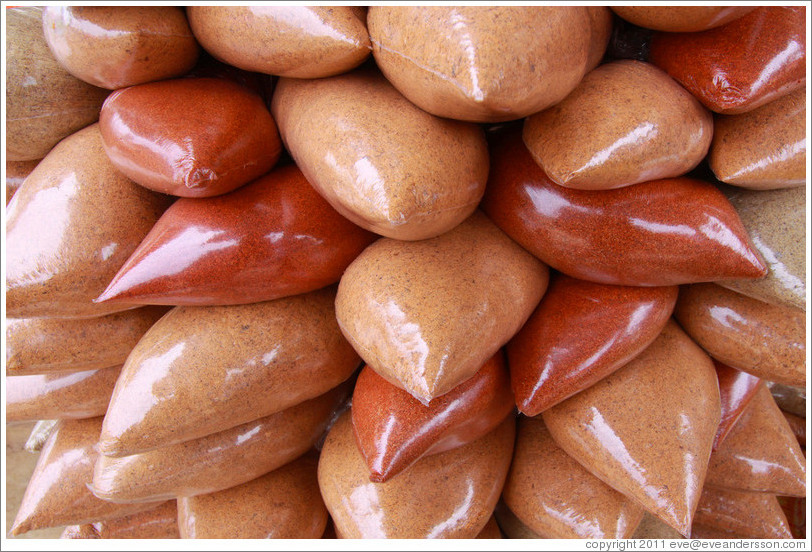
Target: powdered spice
{"x":69,"y":229}
{"x":149,"y":136}
{"x":44,"y":103}
{"x":208,"y":369}
{"x":760,"y":453}
{"x":393,"y":429}
{"x":579,"y":333}
{"x":776,"y":222}
{"x":555,"y":496}
{"x":274,"y":237}
{"x":217,"y":461}
{"x":657,"y":129}
{"x":663,"y":407}
{"x":157,"y":523}
{"x":446,"y":495}
{"x":396,"y":299}
{"x":765,"y":340}
{"x":282,"y":504}
{"x":657,"y":233}
{"x":115,"y":47}
{"x":736,"y":390}
{"x":291,"y":41}
{"x":66,"y":500}
{"x":763,"y":149}
{"x":450,"y":61}
{"x":379,"y":160}
{"x":742,"y":65}
{"x":748,"y":515}
{"x":72,"y":395}
{"x":47,"y":345}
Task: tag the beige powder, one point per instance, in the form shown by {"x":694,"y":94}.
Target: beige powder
{"x":397,"y":300}
{"x":44,"y":103}
{"x":446,"y":495}
{"x":208,"y":369}
{"x":46,"y":345}
{"x":72,"y":395}
{"x":378,"y":159}
{"x":662,"y":410}
{"x":69,"y":229}
{"x":217,"y":461}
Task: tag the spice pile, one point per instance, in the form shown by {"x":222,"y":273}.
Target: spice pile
{"x":409,"y":272}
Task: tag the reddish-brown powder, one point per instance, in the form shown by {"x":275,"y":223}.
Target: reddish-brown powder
{"x":657,"y":233}
{"x":736,"y":389}
{"x":149,"y":135}
{"x":271,"y":238}
{"x":580,"y":333}
{"x":739,"y":66}
{"x":749,"y":515}
{"x":393,"y":429}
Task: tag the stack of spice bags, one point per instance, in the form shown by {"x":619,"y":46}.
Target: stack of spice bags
{"x":480,"y":268}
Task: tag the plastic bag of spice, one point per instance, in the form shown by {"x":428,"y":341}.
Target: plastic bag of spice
{"x":291,"y":41}
{"x":70,"y":227}
{"x":160,"y":522}
{"x":742,"y":65}
{"x":217,"y":461}
{"x":225,"y":366}
{"x":52,"y":501}
{"x":44,"y":103}
{"x":282,"y":504}
{"x":116,"y":47}
{"x":487,"y":64}
{"x":73,"y":395}
{"x":48,"y":345}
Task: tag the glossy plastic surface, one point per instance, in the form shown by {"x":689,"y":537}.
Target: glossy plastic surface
{"x":647,"y":430}
{"x":447,"y":495}
{"x":760,"y":453}
{"x":751,"y":515}
{"x":157,"y":523}
{"x":47,"y":345}
{"x":283,"y":504}
{"x":377,"y":158}
{"x":736,"y":390}
{"x":69,"y":229}
{"x":219,"y":461}
{"x":74,"y":395}
{"x":763,"y":149}
{"x":44,"y":103}
{"x":681,"y":19}
{"x":657,"y":129}
{"x":658,"y":233}
{"x":393,"y":429}
{"x":482,"y":64}
{"x":212,"y":368}
{"x":57,"y":493}
{"x":556,"y":497}
{"x":271,"y":238}
{"x":291,"y":41}
{"x":396,"y":300}
{"x":580,"y":333}
{"x":16,"y":173}
{"x":115,"y":47}
{"x":765,"y":340}
{"x":151,"y":137}
{"x":775,"y":220}
{"x":742,"y":65}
